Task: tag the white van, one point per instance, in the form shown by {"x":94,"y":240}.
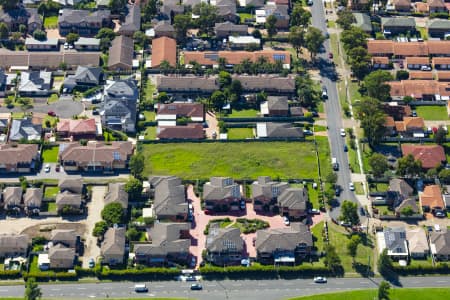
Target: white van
{"x":140,"y":288}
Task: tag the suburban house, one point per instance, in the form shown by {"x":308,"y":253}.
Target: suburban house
{"x":402,"y":5}
{"x":363,"y":21}
{"x":271,"y":84}
{"x":281,"y":12}
{"x":95,"y":156}
{"x":164,"y":49}
{"x":170,"y":244}
{"x":293,"y":202}
{"x":227,"y":29}
{"x":132,"y":21}
{"x":116,"y":193}
{"x":87,"y":44}
{"x":417,"y":243}
{"x":436,"y":6}
{"x":224,"y":246}
{"x":119,"y":105}
{"x":431,"y":198}
{"x":113,"y":246}
{"x":278,"y":130}
{"x":410,"y":126}
{"x":67,"y":237}
{"x":357,"y":5}
{"x":380,"y":48}
{"x":50,"y":44}
{"x":121,"y":54}
{"x":14,"y":17}
{"x":12,"y":198}
{"x":164,"y":28}
{"x":244,"y":42}
{"x":35,"y":21}
{"x":84,"y":78}
{"x":170,"y":8}
{"x":380,"y":62}
{"x":24,"y":130}
{"x":275,"y":106}
{"x":221,"y":194}
{"x":411,"y":49}
{"x":13,"y":245}
{"x":167,"y":114}
{"x":35,"y":83}
{"x":441,"y":63}
{"x":196,"y":85}
{"x":438,"y":48}
{"x":61,"y":257}
{"x":401,"y":187}
{"x":252,"y":3}
{"x":430,"y":156}
{"x":394,"y":240}
{"x":283,"y":245}
{"x":32,"y":201}
{"x":169,"y":198}
{"x":419,"y":89}
{"x":416,"y":63}
{"x":440,"y":245}
{"x":77,"y":129}
{"x":191,"y":131}
{"x":73,"y":185}
{"x":83,"y":22}
{"x":67,"y":202}
{"x":265,"y":192}
{"x":437,"y":28}
{"x":20,"y":158}
{"x":407,"y":204}
{"x":397,"y":25}
{"x":398,"y":112}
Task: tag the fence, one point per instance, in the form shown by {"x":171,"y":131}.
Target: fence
{"x":268,"y":119}
{"x":174,"y":141}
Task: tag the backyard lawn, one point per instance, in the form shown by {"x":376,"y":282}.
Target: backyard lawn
{"x":51,"y":191}
{"x":49,"y":207}
{"x":239,"y":160}
{"x":244,"y":16}
{"x":432,"y":112}
{"x":150,"y":133}
{"x":149,"y":115}
{"x":245,"y":113}
{"x":50,"y":155}
{"x":51,"y":22}
{"x":240,"y":133}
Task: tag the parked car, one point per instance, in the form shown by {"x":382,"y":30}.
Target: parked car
{"x":439,"y":214}
{"x":343,"y":132}
{"x":425,"y":68}
{"x":66,"y":46}
{"x":58,"y":167}
{"x":47,"y":168}
{"x":320,"y":279}
{"x":191,"y":278}
{"x":314,"y":211}
{"x":310,"y":2}
{"x":324,"y":93}
{"x":401,"y":65}
{"x":286,"y":221}
{"x":413,"y":113}
{"x":51,"y":113}
{"x":242,"y":205}
{"x":196,"y":287}
{"x":330,"y":55}
{"x":337,"y":191}
{"x":307,"y":132}
{"x":351,"y":186}
{"x":91,"y":263}
{"x":362,"y":211}
{"x":345,"y":148}
{"x":140,"y":288}
{"x":95,"y":112}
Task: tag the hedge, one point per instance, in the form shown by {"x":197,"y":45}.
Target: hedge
{"x":440,"y":268}
{"x":51,"y":275}
{"x":9,"y":274}
{"x":140,"y":274}
{"x":263,"y":271}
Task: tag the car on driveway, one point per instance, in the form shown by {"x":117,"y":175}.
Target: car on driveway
{"x":286,"y":221}
{"x":320,"y":279}
{"x":91,"y":263}
{"x":337,"y":191}
{"x":351,"y":186}
{"x":324,"y":93}
{"x":307,"y":132}
{"x":343,"y":132}
{"x":330,"y":55}
{"x":242,"y":205}
{"x":47,"y":168}
{"x":314,"y":211}
{"x":196,"y":287}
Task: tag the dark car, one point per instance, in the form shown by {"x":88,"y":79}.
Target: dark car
{"x":362,"y":211}
{"x":401,"y":65}
{"x":51,"y":113}
{"x":95,"y":112}
{"x":58,"y":167}
{"x":330,"y":55}
{"x":413,"y":113}
{"x":196,"y":287}
{"x":345,"y":148}
{"x":337,"y":191}
{"x":242,"y":205}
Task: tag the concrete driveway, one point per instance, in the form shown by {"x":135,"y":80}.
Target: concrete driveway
{"x":95,"y":207}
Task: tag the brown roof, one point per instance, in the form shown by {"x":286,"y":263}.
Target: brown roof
{"x":411,"y":49}
{"x":402,"y":3}
{"x":420,"y":75}
{"x":417,"y":60}
{"x":432,"y":196}
{"x":438,"y":47}
{"x":380,"y":60}
{"x":181,"y":109}
{"x":389,"y":121}
{"x":121,"y":52}
{"x":443,"y":75}
{"x":380,"y":47}
{"x":436,"y":3}
{"x":441,"y":60}
{"x":418,"y":88}
{"x":236,"y":57}
{"x":164,"y":48}
{"x":430,"y":155}
{"x":421,"y":7}
{"x":190,"y":131}
{"x":77,"y":126}
{"x":409,"y":123}
{"x":20,"y":153}
{"x":397,"y":111}
{"x":96,"y":151}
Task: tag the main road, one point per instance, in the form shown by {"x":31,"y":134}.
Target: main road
{"x":333,"y":110}
{"x":218,"y":290}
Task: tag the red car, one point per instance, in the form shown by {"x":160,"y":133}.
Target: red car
{"x":51,"y":113}
{"x":330,"y":55}
{"x":207,"y":212}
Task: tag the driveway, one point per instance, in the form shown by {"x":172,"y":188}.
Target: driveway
{"x":212,"y":125}
{"x":95,"y":207}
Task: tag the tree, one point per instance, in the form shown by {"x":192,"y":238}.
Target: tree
{"x":300,"y":16}
{"x":134,"y":188}
{"x":32,"y":290}
{"x":22,"y":28}
{"x":224,"y":79}
{"x":332,"y":260}
{"x":359,"y":60}
{"x":271,"y":28}
{"x":345,"y":19}
{"x":181,"y":24}
{"x":117,"y":6}
{"x":352,"y":246}
{"x":408,"y":166}
{"x":383,"y":290}
{"x":376,"y":86}
{"x":384,"y":263}
{"x":4,"y":31}
{"x":354,"y":37}
{"x":150,"y":10}
{"x":207,"y":17}
{"x":256,"y":34}
{"x":99,"y":229}
{"x":9,"y":4}
{"x":372,"y":118}
{"x":39,"y":35}
{"x":133,"y":234}
{"x":16,"y":36}
{"x":349,"y":213}
{"x":107,"y":33}
{"x":444,"y":174}
{"x":379,"y":164}
{"x":137,"y":164}
{"x":105,"y":43}
{"x":162,"y":97}
{"x":218,"y":100}
{"x":331,"y":178}
{"x":440,"y":135}
{"x":402,"y":75}
{"x":140,"y":38}
{"x":314,"y":40}
{"x":306,"y":92}
{"x":113,"y":213}
{"x":236,"y":88}
{"x":297,"y":38}
{"x":407,"y":211}
{"x":72,"y":38}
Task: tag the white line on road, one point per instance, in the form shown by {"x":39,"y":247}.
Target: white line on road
{"x":81,"y":288}
{"x":159,"y":286}
{"x":3,"y":291}
{"x":441,"y":281}
{"x":55,"y":289}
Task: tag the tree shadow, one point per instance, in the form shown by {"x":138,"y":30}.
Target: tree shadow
{"x":363,"y":269}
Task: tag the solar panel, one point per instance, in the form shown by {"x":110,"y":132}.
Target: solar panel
{"x":116,"y":155}
{"x":229,"y":244}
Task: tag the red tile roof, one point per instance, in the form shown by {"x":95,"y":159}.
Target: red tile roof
{"x":409,"y":123}
{"x":164,"y":48}
{"x":430,"y":155}
{"x":420,"y":75}
{"x":417,"y":60}
{"x":77,"y":126}
{"x":235,"y":57}
{"x":190,"y":131}
{"x":411,"y":49}
{"x":418,"y":88}
{"x":443,"y":75}
{"x":181,"y":109}
{"x":380,"y":47}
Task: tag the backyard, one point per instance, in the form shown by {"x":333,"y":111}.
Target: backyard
{"x":239,"y":160}
{"x":51,"y":22}
{"x":432,"y":113}
{"x":240,"y":133}
{"x":51,"y":191}
{"x":50,"y":155}
{"x":244,"y":113}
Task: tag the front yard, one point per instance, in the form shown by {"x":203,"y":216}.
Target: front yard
{"x":432,"y":113}
{"x":239,"y":160}
{"x":50,"y":155}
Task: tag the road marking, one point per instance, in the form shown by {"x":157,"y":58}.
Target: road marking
{"x":441,"y":281}
{"x":55,"y":289}
{"x":159,"y":286}
{"x":81,"y":288}
{"x":363,"y":282}
{"x":3,"y":291}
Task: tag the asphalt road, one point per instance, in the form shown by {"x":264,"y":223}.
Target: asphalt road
{"x":333,"y":111}
{"x":218,"y":290}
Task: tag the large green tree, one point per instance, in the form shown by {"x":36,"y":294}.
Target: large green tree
{"x":332,"y":260}
{"x":314,"y":40}
{"x":9,"y":4}
{"x":72,"y":38}
{"x":113,"y":213}
{"x":300,"y":16}
{"x":384,"y":263}
{"x":359,"y":60}
{"x":134,"y":188}
{"x":150,"y":10}
{"x":32,"y":290}
{"x":372,"y":118}
{"x":440,"y":135}
{"x":354,"y":37}
{"x":182,"y":23}
{"x":207,"y":17}
{"x":107,"y":33}
{"x":378,"y":163}
{"x":271,"y":28}
{"x":4,"y":31}
{"x":345,"y":19}
{"x":306,"y":92}
{"x":349,"y":213}
{"x":376,"y":84}
{"x":218,"y":100}
{"x":117,"y":6}
{"x":297,"y":38}
{"x":408,"y":166}
{"x":352,"y":245}
{"x":137,"y":164}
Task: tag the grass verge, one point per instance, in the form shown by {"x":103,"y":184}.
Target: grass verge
{"x":432,"y":113}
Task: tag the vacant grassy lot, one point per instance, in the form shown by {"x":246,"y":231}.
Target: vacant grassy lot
{"x":238,"y":160}
{"x":432,"y":112}
{"x":395,"y":294}
{"x":50,"y":155}
{"x":240,"y":133}
{"x":51,"y":22}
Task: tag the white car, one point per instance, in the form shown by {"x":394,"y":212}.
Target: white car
{"x":66,"y":46}
{"x":351,"y":186}
{"x":342,"y":132}
{"x":320,"y":279}
{"x":286,"y":221}
{"x":47,"y":168}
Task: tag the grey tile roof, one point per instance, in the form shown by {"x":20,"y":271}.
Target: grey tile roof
{"x":163,"y":26}
{"x":12,"y":196}
{"x":395,"y":239}
{"x":35,"y":81}
{"x":280,"y":130}
{"x":64,"y":235}
{"x":440,"y":241}
{"x":186,"y":84}
{"x":85,"y":75}
{"x":24,"y":129}
{"x":132,"y":20}
{"x":33,"y":197}
{"x":121,"y":52}
{"x":220,"y":188}
{"x":288,"y":239}
{"x":439,"y":24}
{"x":170,"y":197}
{"x":85,"y":41}
{"x":294,"y":198}
{"x":73,"y":185}
{"x":400,"y":186}
{"x":116,"y":193}
{"x":76,"y":16}
{"x":278,"y":103}
{"x":267,"y":188}
{"x":363,"y":21}
{"x":114,"y":242}
{"x":67,"y":198}
{"x":224,"y":240}
{"x":59,"y":252}
{"x":268,"y":83}
{"x":409,"y":202}
{"x":13,"y":242}
{"x":398,"y":22}
{"x":417,"y":241}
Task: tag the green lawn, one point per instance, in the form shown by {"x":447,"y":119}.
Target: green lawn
{"x":238,"y":160}
{"x":245,"y":113}
{"x":149,"y":90}
{"x":378,"y":187}
{"x":432,"y":112}
{"x":52,"y":98}
{"x":50,"y":155}
{"x":17,"y":115}
{"x":244,"y":16}
{"x":51,"y":22}
{"x":52,"y":121}
{"x":353,"y":159}
{"x":353,"y":88}
{"x":359,"y":190}
{"x":150,"y":133}
{"x":51,"y":191}
{"x":240,"y":133}
{"x":149,"y":115}
{"x":49,"y":206}
{"x":395,"y":294}
{"x":423,"y":33}
{"x":317,"y":235}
